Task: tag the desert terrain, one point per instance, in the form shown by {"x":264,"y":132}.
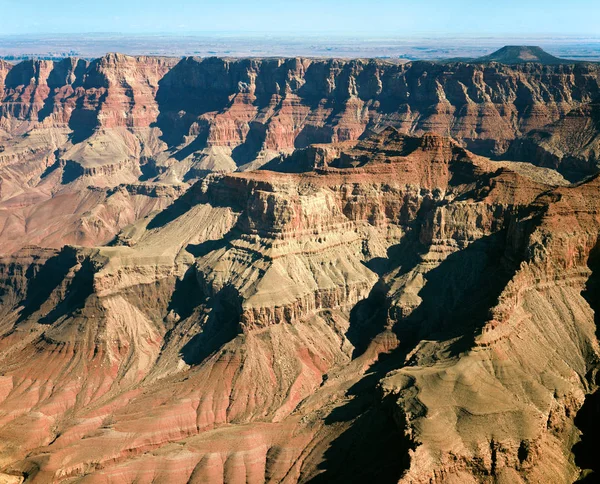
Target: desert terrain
{"x":299,"y":269}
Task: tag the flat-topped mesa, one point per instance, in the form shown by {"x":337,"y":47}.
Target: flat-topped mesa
{"x":363,"y":185}
{"x":388,"y":146}
{"x":101,"y":171}
{"x":522,"y":54}
{"x":391,"y":146}
{"x":293,"y":225}
{"x":379,"y":181}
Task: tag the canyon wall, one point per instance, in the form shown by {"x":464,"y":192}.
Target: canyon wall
{"x":279,"y":104}
{"x":264,"y":321}
{"x":75,"y":127}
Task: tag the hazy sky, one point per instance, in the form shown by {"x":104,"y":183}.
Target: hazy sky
{"x":352,"y":17}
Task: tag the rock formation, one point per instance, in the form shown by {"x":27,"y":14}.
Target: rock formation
{"x":241,"y":271}
{"x":570,"y":145}
{"x":518,"y":54}
{"x":249,"y":107}
{"x":120,"y":120}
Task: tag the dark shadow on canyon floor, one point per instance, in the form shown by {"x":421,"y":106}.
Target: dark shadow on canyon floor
{"x":249,"y":150}
{"x":79,"y":289}
{"x":373,"y":446}
{"x":71,"y":172}
{"x":459,"y":293}
{"x":203,"y":248}
{"x":369,"y":317}
{"x":173,"y":211}
{"x":587,"y":420}
{"x":455,"y":300}
{"x":43,"y":282}
{"x":219,"y":325}
{"x":187,"y":295}
{"x":84,"y":121}
{"x":198,"y":144}
{"x":455,"y":304}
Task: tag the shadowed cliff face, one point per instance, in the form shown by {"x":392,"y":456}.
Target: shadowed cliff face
{"x":115,"y":90}
{"x":570,"y":145}
{"x":587,"y":419}
{"x":295,"y":102}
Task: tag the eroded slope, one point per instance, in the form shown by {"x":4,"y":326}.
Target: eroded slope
{"x":400,"y":310}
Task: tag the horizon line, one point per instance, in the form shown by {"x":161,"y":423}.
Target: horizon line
{"x":420,"y":35}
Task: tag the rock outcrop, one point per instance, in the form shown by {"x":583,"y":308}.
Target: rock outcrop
{"x":253,"y":106}
{"x":404,"y":290}
{"x":570,"y":145}
{"x":282,"y":104}
{"x":118,"y":120}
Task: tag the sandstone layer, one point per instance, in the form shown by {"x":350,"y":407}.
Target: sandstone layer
{"x":402,"y":290}
{"x":570,"y":145}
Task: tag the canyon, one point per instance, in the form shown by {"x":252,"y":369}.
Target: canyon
{"x":299,"y":270}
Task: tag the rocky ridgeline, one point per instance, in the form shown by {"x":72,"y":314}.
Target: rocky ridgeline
{"x":276,"y":104}
{"x":119,"y":120}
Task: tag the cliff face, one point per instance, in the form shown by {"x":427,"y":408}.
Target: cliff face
{"x":69,"y":138}
{"x":115,"y":90}
{"x":4,"y":69}
{"x":570,"y":145}
{"x":453,"y":396}
{"x":405,"y":291}
{"x":119,"y":120}
{"x":293,"y":103}
{"x":286,"y":103}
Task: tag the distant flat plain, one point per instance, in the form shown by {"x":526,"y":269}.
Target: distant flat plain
{"x":396,"y":48}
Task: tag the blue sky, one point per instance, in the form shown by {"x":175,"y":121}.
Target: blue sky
{"x":351,"y":17}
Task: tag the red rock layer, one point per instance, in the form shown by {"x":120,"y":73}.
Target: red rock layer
{"x":298,"y":102}
{"x":279,"y":104}
{"x":571,"y":144}
{"x":115,"y":90}
{"x":237,"y":335}
{"x":119,"y":119}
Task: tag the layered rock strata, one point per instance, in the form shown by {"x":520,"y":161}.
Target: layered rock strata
{"x":405,"y":290}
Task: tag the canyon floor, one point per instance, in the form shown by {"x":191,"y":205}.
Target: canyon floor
{"x":299,"y":270}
